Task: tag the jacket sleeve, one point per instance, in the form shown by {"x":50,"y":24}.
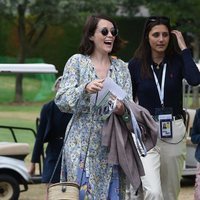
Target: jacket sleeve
{"x":195,"y":135}
{"x":191,"y":71}
{"x":38,"y":146}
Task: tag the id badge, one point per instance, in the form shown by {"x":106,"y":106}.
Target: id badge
{"x":165,"y":122}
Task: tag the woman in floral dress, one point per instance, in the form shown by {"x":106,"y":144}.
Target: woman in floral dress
{"x":83,"y":76}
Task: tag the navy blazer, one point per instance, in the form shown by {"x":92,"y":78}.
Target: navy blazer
{"x":179,"y":67}
{"x":195,"y":135}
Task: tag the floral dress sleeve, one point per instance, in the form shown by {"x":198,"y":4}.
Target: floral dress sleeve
{"x":72,"y":90}
{"x":122,"y":77}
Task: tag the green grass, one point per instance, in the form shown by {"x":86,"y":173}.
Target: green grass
{"x":24,"y":114}
{"x":19,"y":116}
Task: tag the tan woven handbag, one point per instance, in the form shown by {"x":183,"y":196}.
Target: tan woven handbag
{"x":63,"y":191}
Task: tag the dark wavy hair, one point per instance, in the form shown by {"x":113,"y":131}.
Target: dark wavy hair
{"x":143,"y":52}
{"x":86,"y":45}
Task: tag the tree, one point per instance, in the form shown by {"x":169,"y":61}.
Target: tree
{"x":32,"y":18}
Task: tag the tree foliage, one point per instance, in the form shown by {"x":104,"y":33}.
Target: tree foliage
{"x":184,"y":14}
{"x":32,"y":18}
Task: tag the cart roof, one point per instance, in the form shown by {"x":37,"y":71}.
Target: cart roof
{"x":28,"y":68}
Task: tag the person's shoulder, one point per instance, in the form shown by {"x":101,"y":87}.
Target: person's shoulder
{"x":78,"y":56}
{"x":134,"y":61}
{"x":48,"y":104}
{"x":118,"y":61}
{"x":134,"y":64}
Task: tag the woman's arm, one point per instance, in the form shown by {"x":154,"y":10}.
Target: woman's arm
{"x":71,"y":90}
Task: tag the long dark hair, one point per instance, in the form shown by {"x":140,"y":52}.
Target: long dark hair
{"x":86,"y":45}
{"x":143,"y":52}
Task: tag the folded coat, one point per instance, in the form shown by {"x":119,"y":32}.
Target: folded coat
{"x":149,"y":128}
{"x":122,"y":150}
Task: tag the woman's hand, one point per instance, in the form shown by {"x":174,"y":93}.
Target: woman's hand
{"x":180,"y":39}
{"x":94,"y":86}
{"x":120,"y":108}
{"x":31,"y":170}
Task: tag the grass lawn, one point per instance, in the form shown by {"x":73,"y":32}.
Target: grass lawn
{"x":19,"y":116}
{"x":24,"y":114}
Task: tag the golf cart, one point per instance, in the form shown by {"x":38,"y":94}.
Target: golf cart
{"x":14,"y":176}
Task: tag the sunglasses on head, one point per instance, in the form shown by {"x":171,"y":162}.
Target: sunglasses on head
{"x":105,"y":31}
{"x":161,"y":19}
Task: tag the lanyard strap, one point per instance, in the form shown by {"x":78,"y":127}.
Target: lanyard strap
{"x":160,"y":89}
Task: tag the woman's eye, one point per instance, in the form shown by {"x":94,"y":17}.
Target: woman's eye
{"x":165,"y":34}
{"x":155,"y":34}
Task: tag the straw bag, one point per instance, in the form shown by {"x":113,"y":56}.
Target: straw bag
{"x":63,"y":191}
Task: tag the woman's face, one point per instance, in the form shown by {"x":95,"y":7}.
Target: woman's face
{"x":159,"y":38}
{"x":104,"y":36}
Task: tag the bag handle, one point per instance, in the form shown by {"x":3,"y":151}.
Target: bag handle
{"x":60,"y":154}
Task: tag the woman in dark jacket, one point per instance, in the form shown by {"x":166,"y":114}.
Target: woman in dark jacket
{"x":195,"y":137}
{"x":158,"y":68}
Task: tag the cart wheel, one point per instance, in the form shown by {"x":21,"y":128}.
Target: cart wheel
{"x":9,"y":187}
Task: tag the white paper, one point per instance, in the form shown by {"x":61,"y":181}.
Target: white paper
{"x":105,"y":100}
{"x":109,"y":86}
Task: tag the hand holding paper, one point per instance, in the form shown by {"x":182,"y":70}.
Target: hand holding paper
{"x":105,"y":100}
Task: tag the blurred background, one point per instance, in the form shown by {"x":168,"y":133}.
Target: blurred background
{"x":35,"y":31}
{"x":49,"y":31}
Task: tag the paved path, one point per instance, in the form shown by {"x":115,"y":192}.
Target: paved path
{"x":187,"y":193}
{"x":187,"y":189}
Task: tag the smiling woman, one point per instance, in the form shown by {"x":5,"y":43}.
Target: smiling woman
{"x":83,"y":77}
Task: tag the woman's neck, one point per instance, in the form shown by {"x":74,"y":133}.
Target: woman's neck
{"x":100,"y":58}
{"x":158,"y":58}
{"x":101,"y":64}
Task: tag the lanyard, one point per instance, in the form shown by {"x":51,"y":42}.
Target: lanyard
{"x":160,"y":89}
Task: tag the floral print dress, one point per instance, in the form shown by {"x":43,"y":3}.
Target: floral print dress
{"x":98,"y":179}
